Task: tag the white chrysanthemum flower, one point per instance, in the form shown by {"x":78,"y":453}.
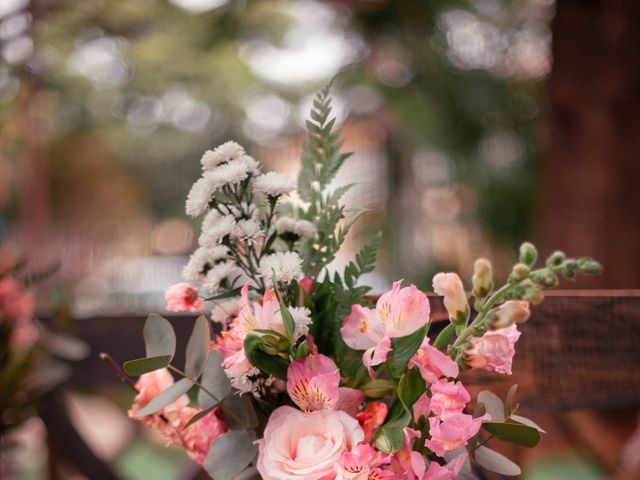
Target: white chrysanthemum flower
{"x":273,"y":184}
{"x":305,"y":228}
{"x":248,"y":228}
{"x":302,"y":319}
{"x":224,"y":153}
{"x":245,"y":210}
{"x":287,"y":267}
{"x":240,"y":378}
{"x":224,"y":310}
{"x":200,"y":259}
{"x":230,"y":173}
{"x":214,"y":228}
{"x":220,"y":272}
{"x":199,"y":196}
{"x":285,"y":225}
{"x":250,"y":164}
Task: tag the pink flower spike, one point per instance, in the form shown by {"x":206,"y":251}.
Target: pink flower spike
{"x":312,"y":383}
{"x":448,"y":398}
{"x":452,"y":433}
{"x":422,"y":407}
{"x":182,"y":297}
{"x":433,"y":364}
{"x":494,"y":351}
{"x":448,"y":472}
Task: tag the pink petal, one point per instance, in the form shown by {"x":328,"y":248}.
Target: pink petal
{"x":356,"y":329}
{"x":376,"y":355}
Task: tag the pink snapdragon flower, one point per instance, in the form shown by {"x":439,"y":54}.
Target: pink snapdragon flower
{"x":513,"y":311}
{"x":305,"y":445}
{"x":433,"y":364}
{"x":362,"y":463}
{"x":182,"y":297}
{"x":450,"y":287}
{"x":398,"y":313}
{"x":371,"y":418}
{"x":494,"y":350}
{"x":452,"y":433}
{"x":422,"y":407}
{"x":313,"y":384}
{"x":408,"y":464}
{"x":448,"y":398}
{"x":448,"y":472}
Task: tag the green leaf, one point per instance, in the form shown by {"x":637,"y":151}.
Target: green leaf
{"x":302,"y":351}
{"x":513,"y":433}
{"x":410,"y":388}
{"x":390,"y":440}
{"x":166,"y":397}
{"x":146,"y":365}
{"x":214,"y":380}
{"x":222,"y":296}
{"x":198,"y":416}
{"x":493,"y":405}
{"x":272,"y":364}
{"x":287,"y":318}
{"x":159,"y":337}
{"x":198,"y":348}
{"x":230,"y":454}
{"x":445,"y":336}
{"x":510,"y":396}
{"x":496,"y":462}
{"x":242,"y":407}
{"x":403,"y":349}
{"x":527,"y":422}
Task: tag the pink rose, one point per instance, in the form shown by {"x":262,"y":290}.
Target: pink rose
{"x":398,"y":313}
{"x":433,"y":364}
{"x":494,"y":350}
{"x":182,"y":297}
{"x":448,"y":398}
{"x":305,"y":445}
{"x":452,"y":433}
{"x":450,"y":287}
{"x":149,"y":385}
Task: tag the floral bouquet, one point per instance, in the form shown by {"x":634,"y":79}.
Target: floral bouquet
{"x":301,"y":375}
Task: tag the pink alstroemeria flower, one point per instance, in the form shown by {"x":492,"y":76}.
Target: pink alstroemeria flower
{"x":362,"y":464}
{"x":182,"y":297}
{"x":448,"y":398}
{"x":313,"y":384}
{"x":433,"y":364}
{"x":398,"y":313}
{"x":453,"y":432}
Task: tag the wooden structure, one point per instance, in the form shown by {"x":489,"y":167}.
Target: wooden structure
{"x":578,"y":351}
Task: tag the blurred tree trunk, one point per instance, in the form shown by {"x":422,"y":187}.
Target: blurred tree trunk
{"x":590,"y":177}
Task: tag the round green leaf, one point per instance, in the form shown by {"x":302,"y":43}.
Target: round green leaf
{"x":145,"y":365}
{"x":496,"y":462}
{"x":166,"y":397}
{"x":159,"y":337}
{"x":513,"y":433}
{"x":230,"y":454}
{"x":198,"y":348}
{"x":493,"y":405}
{"x":214,"y":380}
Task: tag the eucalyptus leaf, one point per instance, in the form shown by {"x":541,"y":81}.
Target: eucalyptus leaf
{"x":140,"y":366}
{"x":199,"y":416}
{"x":214,"y":380}
{"x":495,"y":462}
{"x":493,"y":405}
{"x":166,"y":397}
{"x":403,"y":348}
{"x":242,"y":407}
{"x":513,"y":433}
{"x":198,"y":348}
{"x":230,"y":454}
{"x":159,"y":337}
{"x":527,"y":422}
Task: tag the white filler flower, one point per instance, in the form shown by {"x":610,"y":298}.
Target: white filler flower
{"x":287,"y":267}
{"x":214,"y":228}
{"x":223,"y":153}
{"x":201,"y":258}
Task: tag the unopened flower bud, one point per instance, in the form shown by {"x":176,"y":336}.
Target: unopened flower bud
{"x":306,"y":284}
{"x":520,"y":272}
{"x":545,"y":278}
{"x":482,"y":278}
{"x":513,"y":311}
{"x":533,"y":296}
{"x":450,"y":287}
{"x":556,"y":259}
{"x":589,"y":266}
{"x":528,"y":254}
{"x":377,"y":388}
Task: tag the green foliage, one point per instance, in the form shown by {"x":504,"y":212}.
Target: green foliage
{"x":159,"y":337}
{"x":492,"y":405}
{"x":198,"y":348}
{"x":166,"y":397}
{"x":275,"y":365}
{"x":214,"y":380}
{"x":230,"y":454}
{"x":145,"y":365}
{"x":403,"y":348}
{"x":445,"y":336}
{"x":241,"y":406}
{"x":495,"y":462}
{"x":513,"y":433}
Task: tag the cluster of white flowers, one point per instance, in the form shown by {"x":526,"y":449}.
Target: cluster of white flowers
{"x":224,"y":153}
{"x":201,"y":261}
{"x":215,"y":227}
{"x":302,"y":318}
{"x":286,"y":265}
{"x":300,"y":228}
{"x":223,"y":271}
{"x":225,"y":310}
